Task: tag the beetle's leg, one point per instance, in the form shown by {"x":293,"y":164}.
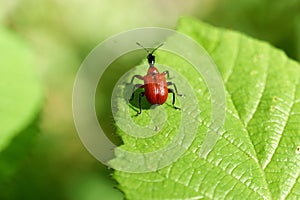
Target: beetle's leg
{"x":171,"y":83}
{"x":140,"y":102}
{"x":136,"y":86}
{"x":166,"y":73}
{"x":136,"y":76}
{"x":173,"y":101}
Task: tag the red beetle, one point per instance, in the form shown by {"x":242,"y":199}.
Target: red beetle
{"x":155,"y":85}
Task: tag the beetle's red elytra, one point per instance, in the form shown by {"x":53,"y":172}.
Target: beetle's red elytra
{"x":155,"y":84}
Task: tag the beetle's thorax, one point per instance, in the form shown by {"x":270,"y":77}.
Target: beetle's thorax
{"x":152,"y":70}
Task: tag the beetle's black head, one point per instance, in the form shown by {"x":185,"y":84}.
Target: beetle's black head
{"x":151,"y":59}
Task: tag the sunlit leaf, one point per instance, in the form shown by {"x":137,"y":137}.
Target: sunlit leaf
{"x":258,"y":154}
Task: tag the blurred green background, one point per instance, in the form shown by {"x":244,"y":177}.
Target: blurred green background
{"x":55,"y":164}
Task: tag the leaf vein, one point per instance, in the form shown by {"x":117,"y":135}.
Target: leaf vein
{"x":267,"y":162}
{"x":261,"y":92}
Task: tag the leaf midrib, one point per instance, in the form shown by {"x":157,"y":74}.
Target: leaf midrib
{"x":245,"y":124}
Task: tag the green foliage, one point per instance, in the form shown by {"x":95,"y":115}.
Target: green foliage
{"x":20,"y":100}
{"x":262,"y":19}
{"x":258,"y":154}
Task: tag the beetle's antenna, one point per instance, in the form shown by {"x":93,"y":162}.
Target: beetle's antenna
{"x":148,"y":49}
{"x":143,"y":47}
{"x":157,"y":48}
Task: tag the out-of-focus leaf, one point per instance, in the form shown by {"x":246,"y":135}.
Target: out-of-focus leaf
{"x":20,"y":89}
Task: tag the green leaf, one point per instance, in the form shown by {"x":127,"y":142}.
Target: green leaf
{"x":20,"y":89}
{"x":12,"y":156}
{"x":258,"y":153}
{"x":262,"y":20}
